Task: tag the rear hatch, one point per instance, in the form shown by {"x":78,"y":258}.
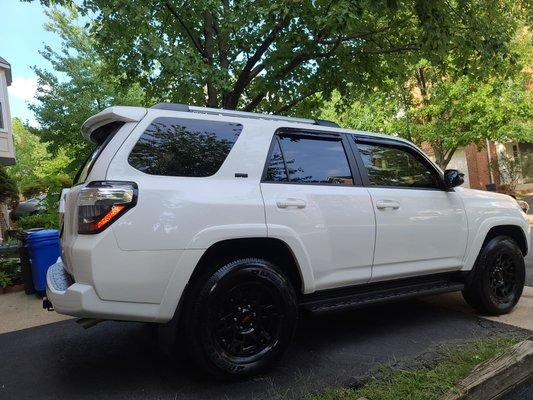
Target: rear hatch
{"x":112,"y":124}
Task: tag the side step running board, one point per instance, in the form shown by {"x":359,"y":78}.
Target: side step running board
{"x":363,"y":295}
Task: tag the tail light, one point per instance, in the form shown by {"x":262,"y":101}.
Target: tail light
{"x":102,"y":203}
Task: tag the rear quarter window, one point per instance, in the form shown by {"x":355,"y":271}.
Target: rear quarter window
{"x":184,"y":147}
{"x":101,"y":136}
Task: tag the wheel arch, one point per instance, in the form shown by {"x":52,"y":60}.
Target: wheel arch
{"x":488,"y":230}
{"x":271,"y":249}
{"x":513,"y":231}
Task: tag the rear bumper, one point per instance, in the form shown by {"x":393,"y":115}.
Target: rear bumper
{"x":81,"y":300}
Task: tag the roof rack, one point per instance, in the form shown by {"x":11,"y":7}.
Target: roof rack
{"x":244,"y":114}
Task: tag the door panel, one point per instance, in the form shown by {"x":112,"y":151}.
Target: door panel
{"x":420,"y":228}
{"x":309,"y":193}
{"x":425,"y":234}
{"x":334,"y":223}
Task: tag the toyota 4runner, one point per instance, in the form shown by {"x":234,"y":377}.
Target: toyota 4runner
{"x":228,"y":224}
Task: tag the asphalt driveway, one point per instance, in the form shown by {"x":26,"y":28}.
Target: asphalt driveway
{"x":121,"y":360}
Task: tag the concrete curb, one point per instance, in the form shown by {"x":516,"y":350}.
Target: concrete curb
{"x":492,"y":378}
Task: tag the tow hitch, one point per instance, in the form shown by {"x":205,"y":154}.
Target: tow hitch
{"x":47,"y":304}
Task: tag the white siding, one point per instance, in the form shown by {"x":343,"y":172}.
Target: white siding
{"x":7,"y":150}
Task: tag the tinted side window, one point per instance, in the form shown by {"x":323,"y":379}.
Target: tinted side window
{"x":309,"y":160}
{"x":393,"y":166}
{"x":184,"y":147}
{"x":276,"y":171}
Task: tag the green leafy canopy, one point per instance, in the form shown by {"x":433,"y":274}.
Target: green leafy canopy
{"x":444,"y":72}
{"x":77,"y":88}
{"x":271,"y":56}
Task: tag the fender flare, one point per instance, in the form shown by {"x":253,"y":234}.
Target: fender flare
{"x":303,"y":261}
{"x":481,"y":234}
{"x":208,"y":237}
{"x":214,"y":234}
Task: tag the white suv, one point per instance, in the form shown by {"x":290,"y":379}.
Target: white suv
{"x":228,"y":224}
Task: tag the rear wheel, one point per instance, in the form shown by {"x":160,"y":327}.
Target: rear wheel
{"x":498,"y":278}
{"x":241,"y":318}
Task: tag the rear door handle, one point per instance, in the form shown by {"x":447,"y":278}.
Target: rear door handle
{"x":291,"y":203}
{"x":387,"y":205}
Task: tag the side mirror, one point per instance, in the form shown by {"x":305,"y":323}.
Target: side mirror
{"x":453,"y":178}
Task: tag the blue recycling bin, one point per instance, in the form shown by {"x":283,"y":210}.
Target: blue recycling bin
{"x":44,"y":251}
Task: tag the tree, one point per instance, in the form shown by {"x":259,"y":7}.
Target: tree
{"x":381,"y":111}
{"x":271,"y":56}
{"x":510,"y":170}
{"x":465,"y":111}
{"x":448,"y":109}
{"x":77,"y":88}
{"x":34,"y":162}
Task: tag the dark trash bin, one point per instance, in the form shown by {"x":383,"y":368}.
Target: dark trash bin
{"x":25,"y":263}
{"x":491,"y":187}
{"x":44,"y":251}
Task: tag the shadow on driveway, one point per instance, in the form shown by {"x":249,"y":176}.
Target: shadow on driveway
{"x":121,"y":360}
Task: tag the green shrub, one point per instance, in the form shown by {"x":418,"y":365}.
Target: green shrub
{"x":8,"y":187}
{"x":47,"y":220}
{"x":33,"y":189}
{"x":5,"y":280}
{"x":47,"y":184}
{"x":9,"y":271}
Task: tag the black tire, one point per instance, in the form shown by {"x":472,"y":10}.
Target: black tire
{"x":499,"y":276}
{"x":241,"y":318}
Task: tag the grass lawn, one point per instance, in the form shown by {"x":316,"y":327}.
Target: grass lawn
{"x":424,"y":382}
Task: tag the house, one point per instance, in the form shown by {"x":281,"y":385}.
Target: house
{"x":7,"y":149}
{"x":475,"y":164}
{"x":524,"y":151}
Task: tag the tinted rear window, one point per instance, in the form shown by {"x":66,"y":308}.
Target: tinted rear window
{"x":298,"y":159}
{"x":184,"y":147}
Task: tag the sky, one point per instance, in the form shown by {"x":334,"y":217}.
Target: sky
{"x":21,"y":37}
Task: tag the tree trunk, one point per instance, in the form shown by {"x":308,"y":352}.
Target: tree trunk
{"x":442,"y":156}
{"x":212,"y":100}
{"x":439,"y":157}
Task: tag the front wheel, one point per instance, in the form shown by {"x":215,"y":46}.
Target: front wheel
{"x":242,"y":318}
{"x":498,"y":278}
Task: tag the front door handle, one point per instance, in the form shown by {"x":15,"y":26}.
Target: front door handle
{"x":291,"y":203}
{"x":387,"y":205}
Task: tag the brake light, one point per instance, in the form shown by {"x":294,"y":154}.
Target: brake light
{"x":102,"y":203}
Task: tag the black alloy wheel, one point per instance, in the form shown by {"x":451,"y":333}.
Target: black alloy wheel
{"x":502,"y":278}
{"x":246,"y":321}
{"x":241,"y":318}
{"x":498,"y":277}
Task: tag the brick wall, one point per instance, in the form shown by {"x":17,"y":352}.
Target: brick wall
{"x":478,"y":166}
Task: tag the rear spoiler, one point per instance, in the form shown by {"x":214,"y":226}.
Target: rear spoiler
{"x":112,"y":114}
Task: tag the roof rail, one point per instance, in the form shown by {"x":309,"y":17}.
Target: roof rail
{"x":244,"y":114}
